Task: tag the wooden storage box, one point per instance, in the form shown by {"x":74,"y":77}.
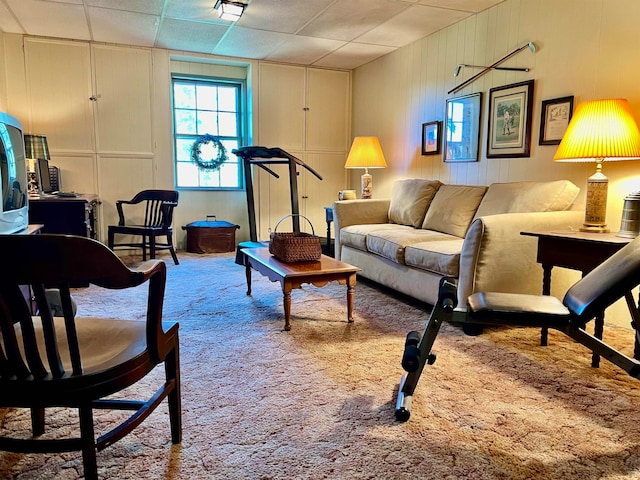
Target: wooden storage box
{"x":211,"y":236}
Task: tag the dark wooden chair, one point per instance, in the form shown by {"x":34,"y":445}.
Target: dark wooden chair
{"x":158,"y":215}
{"x":76,"y":362}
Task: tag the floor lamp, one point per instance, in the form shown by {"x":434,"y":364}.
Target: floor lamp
{"x":366,"y":153}
{"x":599,"y":131}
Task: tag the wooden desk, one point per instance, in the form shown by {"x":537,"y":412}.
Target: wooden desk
{"x":293,"y":275}
{"x":582,"y":251}
{"x":69,"y":215}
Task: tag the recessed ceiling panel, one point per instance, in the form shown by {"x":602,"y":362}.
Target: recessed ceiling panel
{"x":197,"y":10}
{"x":116,"y":26}
{"x":412,"y":24}
{"x":474,"y":6}
{"x":8,"y":23}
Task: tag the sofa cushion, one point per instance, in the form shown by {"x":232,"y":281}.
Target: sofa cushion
{"x":523,"y":197}
{"x":453,"y":208}
{"x":391,"y":243}
{"x":438,"y":256}
{"x":410,"y":200}
{"x":356,"y":235}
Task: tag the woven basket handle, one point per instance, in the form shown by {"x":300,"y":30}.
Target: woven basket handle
{"x":313,"y":232}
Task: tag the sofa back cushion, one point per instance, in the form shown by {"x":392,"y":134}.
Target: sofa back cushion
{"x":523,"y":197}
{"x":453,"y":208}
{"x":410,"y":200}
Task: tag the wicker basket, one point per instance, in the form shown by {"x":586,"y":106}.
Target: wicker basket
{"x":292,"y":247}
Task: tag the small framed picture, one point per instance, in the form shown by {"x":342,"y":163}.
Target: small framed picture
{"x":462,"y":128}
{"x":554,"y":120}
{"x":510,"y":115}
{"x":431,"y":137}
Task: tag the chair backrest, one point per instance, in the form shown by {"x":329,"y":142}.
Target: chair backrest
{"x":606,"y":284}
{"x":55,"y":261}
{"x":159,"y":205}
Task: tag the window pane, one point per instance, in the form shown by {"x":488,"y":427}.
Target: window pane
{"x":187,"y":174}
{"x":207,"y":97}
{"x":183,"y":149}
{"x":209,"y":178}
{"x":228,"y":124}
{"x":185,"y":121}
{"x":207,"y":123}
{"x":229,"y":175}
{"x":228,"y":99}
{"x":184,"y":95}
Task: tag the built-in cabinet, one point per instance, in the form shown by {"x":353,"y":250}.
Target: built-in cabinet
{"x":93,"y":102}
{"x":305,"y":111}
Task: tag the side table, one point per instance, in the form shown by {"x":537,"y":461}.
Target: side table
{"x":581,"y":251}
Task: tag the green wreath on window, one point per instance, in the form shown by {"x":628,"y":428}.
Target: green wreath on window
{"x":216,"y":153}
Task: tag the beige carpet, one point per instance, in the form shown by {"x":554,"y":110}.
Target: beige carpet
{"x":318,"y":402}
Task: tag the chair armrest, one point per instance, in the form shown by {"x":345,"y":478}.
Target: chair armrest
{"x":358,"y":212}
{"x":496,"y":257}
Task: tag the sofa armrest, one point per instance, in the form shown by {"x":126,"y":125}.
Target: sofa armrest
{"x":358,"y":212}
{"x":496,"y":257}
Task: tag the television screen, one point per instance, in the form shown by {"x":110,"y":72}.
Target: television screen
{"x":13,"y":176}
{"x":45,"y":176}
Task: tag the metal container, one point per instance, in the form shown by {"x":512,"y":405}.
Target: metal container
{"x":630,"y":224}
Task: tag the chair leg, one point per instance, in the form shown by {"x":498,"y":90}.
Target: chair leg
{"x":172,"y":372}
{"x":144,"y":249}
{"x":152,"y":246}
{"x":89,"y":461}
{"x":172,"y":250}
{"x":111,"y":240}
{"x":37,"y":421}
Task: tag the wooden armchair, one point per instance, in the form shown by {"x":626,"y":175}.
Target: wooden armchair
{"x":76,"y":362}
{"x":158,"y":215}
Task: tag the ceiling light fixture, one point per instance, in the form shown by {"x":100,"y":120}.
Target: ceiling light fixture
{"x":230,"y":10}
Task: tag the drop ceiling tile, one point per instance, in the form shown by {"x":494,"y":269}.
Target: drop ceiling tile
{"x":117,"y":26}
{"x":151,"y":7}
{"x":249,"y":43}
{"x":51,"y":19}
{"x":286,"y":16}
{"x":303,"y":50}
{"x":474,"y":6}
{"x":196,"y":10}
{"x":412,"y":24}
{"x":353,"y":55}
{"x":189,"y":36}
{"x":8,"y":23}
{"x":348,"y":19}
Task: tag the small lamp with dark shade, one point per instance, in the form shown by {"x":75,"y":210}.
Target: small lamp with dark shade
{"x":599,"y":131}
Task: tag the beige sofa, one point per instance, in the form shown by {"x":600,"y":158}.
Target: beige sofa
{"x":428,"y":230}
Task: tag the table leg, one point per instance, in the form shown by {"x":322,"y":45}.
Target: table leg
{"x":546,"y":290}
{"x":247,"y":272}
{"x":286,"y":294}
{"x":351,"y":293}
{"x":598,"y":330}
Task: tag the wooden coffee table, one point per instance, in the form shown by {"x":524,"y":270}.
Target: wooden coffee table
{"x":293,"y":275}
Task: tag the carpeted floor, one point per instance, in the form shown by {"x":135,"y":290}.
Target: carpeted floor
{"x":318,"y":402}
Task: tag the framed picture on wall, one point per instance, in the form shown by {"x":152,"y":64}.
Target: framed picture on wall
{"x":554,"y":120}
{"x":510,"y":115}
{"x":431,"y":137}
{"x":462,"y":128}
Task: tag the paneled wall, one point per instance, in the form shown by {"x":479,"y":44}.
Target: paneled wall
{"x":586,"y":48}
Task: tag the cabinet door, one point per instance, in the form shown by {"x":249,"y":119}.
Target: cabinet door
{"x":59,"y":86}
{"x":281,"y":106}
{"x":123,"y":99}
{"x":328,"y":100}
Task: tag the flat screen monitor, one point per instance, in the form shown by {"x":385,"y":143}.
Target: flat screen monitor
{"x":45,"y":176}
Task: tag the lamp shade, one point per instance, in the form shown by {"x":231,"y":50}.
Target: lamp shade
{"x":600,"y":130}
{"x":36,"y":146}
{"x":365,"y":153}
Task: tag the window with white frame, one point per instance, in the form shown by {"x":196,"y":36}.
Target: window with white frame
{"x":207,"y":106}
